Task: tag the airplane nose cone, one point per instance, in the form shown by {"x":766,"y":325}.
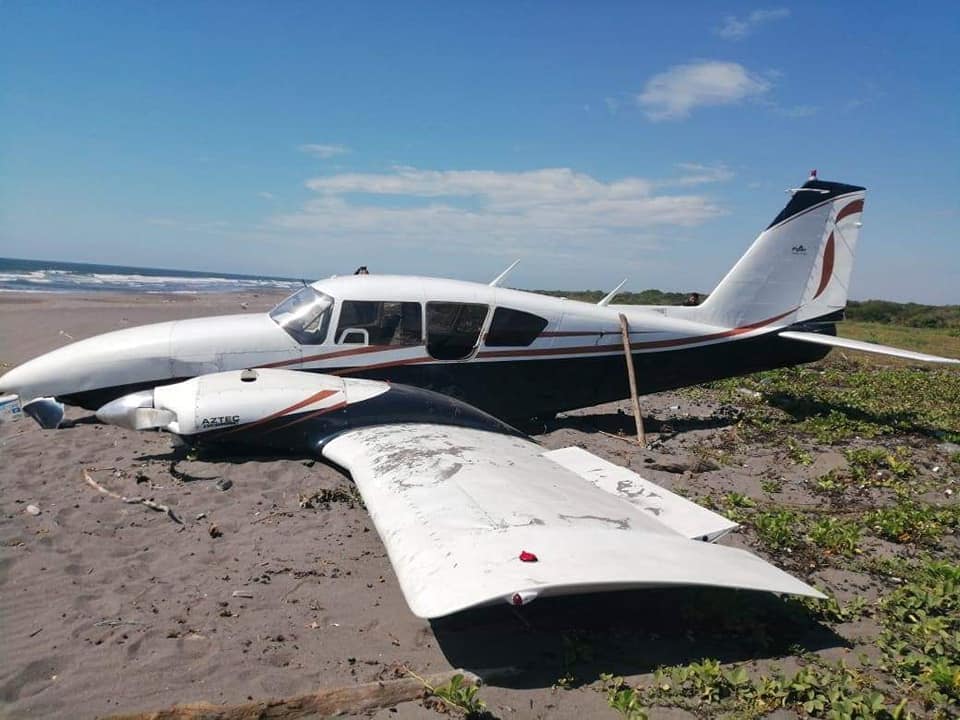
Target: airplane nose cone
{"x":11,"y":380}
{"x":120,"y":411}
{"x":135,"y":411}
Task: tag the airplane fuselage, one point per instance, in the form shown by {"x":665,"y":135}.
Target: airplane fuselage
{"x":511,"y":353}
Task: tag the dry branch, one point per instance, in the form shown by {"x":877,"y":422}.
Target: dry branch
{"x":352,"y":699}
{"x":632,"y":379}
{"x":131,"y":500}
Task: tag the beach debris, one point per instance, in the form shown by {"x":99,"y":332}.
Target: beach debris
{"x":348,"y":700}
{"x":748,"y":393}
{"x":326,"y":497}
{"x":224,"y":484}
{"x":242,"y":594}
{"x":132,"y":500}
{"x":214,"y":531}
{"x":65,"y":334}
{"x":200,"y":516}
{"x":33,"y":510}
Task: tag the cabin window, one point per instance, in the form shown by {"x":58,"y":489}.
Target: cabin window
{"x":379,"y":323}
{"x":453,"y":329}
{"x":305,"y":315}
{"x":514,"y":328}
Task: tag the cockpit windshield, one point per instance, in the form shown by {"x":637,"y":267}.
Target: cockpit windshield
{"x":305,"y":315}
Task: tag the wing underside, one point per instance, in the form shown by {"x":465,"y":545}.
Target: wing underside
{"x":456,"y":508}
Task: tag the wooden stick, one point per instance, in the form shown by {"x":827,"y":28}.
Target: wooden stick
{"x":337,"y":701}
{"x":133,"y":500}
{"x":631,"y":375}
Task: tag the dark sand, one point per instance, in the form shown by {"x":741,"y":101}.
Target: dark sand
{"x":108,"y":607}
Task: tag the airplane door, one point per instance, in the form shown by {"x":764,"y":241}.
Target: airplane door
{"x":454,"y":329}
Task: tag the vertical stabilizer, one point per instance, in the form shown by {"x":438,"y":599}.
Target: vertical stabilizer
{"x":799,"y":267}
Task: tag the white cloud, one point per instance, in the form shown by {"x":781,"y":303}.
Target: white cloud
{"x":484,"y":211}
{"x":672,"y":94}
{"x":734,"y":28}
{"x":266,"y":195}
{"x":324,"y":152}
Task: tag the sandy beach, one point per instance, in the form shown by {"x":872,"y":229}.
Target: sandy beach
{"x":107,"y":607}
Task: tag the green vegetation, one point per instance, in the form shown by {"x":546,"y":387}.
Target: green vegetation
{"x":914,"y":673}
{"x":796,"y":453}
{"x":645,"y":297}
{"x":915,"y":522}
{"x":836,"y":401}
{"x":777,"y":529}
{"x":835,"y":535}
{"x":819,"y":689}
{"x":458,"y":695}
{"x":912,"y":315}
{"x":938,"y":341}
{"x":921,"y":636}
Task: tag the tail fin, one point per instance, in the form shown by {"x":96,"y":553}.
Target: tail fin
{"x":799,"y":268}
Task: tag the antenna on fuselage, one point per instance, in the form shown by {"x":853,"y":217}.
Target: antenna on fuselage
{"x":612,"y":294}
{"x":496,"y":281}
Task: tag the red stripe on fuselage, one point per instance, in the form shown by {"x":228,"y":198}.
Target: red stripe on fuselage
{"x":543,"y":352}
{"x":331,"y":355}
{"x":676,"y":342}
{"x":380,"y":366}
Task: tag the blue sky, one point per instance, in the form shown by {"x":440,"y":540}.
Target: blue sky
{"x":593,"y":141}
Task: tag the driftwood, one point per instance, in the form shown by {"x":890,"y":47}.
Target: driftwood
{"x":131,"y":500}
{"x":337,"y":701}
{"x":632,"y":378}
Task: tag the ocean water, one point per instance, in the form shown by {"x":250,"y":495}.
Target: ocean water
{"x":52,"y":276}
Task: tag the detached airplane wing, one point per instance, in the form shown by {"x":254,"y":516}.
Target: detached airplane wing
{"x":472,"y":518}
{"x":833,"y":341}
{"x":471,"y":513}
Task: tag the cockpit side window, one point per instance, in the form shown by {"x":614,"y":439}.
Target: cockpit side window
{"x":453,"y":329}
{"x":365,"y":322}
{"x":305,"y":315}
{"x":514,"y":328}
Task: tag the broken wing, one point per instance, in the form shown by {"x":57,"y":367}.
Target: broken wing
{"x":456,"y":507}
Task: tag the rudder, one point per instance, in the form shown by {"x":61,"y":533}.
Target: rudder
{"x":799,"y":268}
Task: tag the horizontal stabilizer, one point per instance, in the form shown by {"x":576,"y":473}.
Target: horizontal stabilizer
{"x":862,"y":346}
{"x":677,"y":513}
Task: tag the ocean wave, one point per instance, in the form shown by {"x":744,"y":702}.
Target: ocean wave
{"x":54,"y":279}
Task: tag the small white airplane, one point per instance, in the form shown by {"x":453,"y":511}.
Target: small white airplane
{"x":470,"y":511}
{"x":511,"y":353}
